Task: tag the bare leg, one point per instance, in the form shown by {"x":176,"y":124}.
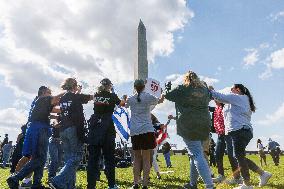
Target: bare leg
{"x":137,"y":166}
{"x":146,"y":155}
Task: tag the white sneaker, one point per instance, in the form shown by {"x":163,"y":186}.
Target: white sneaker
{"x":243,"y":186}
{"x":219,"y":179}
{"x":263,"y":179}
{"x":234,"y":181}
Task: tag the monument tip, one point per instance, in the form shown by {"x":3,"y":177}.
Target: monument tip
{"x":141,"y":24}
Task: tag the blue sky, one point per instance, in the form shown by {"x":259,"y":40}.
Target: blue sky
{"x":225,"y":42}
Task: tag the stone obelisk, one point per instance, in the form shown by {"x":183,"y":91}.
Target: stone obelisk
{"x":141,"y":65}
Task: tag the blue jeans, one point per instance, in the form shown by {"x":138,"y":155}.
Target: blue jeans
{"x":36,"y":164}
{"x":198,"y":163}
{"x":168,"y":159}
{"x":241,"y":138}
{"x":6,"y":157}
{"x":223,"y":142}
{"x":55,"y":152}
{"x":73,"y":151}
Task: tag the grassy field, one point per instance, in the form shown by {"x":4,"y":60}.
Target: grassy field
{"x":173,"y":180}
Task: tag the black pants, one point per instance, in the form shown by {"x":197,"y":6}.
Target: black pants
{"x":15,"y":159}
{"x":93,"y":169}
{"x":275,"y":156}
{"x":241,"y":139}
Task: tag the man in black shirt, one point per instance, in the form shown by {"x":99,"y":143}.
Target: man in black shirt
{"x":102,"y":135}
{"x":37,"y":133}
{"x":72,"y":133}
{"x":26,"y":156}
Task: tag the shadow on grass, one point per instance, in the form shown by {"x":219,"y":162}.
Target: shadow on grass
{"x":278,"y":186}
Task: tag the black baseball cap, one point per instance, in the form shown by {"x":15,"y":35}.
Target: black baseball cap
{"x":106,"y":81}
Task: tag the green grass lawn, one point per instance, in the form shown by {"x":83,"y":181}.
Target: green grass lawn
{"x":177,"y":179}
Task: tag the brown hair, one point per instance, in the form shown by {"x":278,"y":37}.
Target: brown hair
{"x":69,"y":84}
{"x":192,"y":79}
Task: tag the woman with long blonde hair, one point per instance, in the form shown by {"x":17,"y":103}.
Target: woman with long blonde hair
{"x":193,"y":124}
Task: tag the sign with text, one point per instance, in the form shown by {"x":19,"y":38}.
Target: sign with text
{"x":153,"y":87}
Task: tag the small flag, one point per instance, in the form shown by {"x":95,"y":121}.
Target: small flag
{"x":162,"y":135}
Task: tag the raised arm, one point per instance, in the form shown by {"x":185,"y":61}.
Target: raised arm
{"x":55,"y":99}
{"x":226,"y":98}
{"x":173,"y":95}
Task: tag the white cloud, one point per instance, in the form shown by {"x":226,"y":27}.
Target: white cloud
{"x":251,"y":58}
{"x":253,"y":55}
{"x":177,"y":79}
{"x":266,"y":74}
{"x":11,"y":120}
{"x":165,"y":109}
{"x":43,"y":42}
{"x":274,"y":61}
{"x":208,"y":80}
{"x":225,"y":90}
{"x":274,"y":117}
{"x":277,"y":59}
{"x":277,"y":16}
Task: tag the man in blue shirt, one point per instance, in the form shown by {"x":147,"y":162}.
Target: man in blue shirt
{"x":7,"y":149}
{"x":274,"y":150}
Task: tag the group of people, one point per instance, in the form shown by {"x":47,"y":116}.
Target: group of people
{"x":232,"y":121}
{"x":273,"y":149}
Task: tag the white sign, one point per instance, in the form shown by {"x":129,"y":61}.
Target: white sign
{"x":153,"y":87}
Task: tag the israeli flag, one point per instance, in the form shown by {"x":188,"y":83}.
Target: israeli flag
{"x":121,"y":122}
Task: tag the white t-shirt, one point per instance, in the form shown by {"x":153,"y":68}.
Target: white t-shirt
{"x":260,"y":147}
{"x":140,"y":121}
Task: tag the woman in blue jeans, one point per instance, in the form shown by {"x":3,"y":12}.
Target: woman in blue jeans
{"x":239,"y":106}
{"x":193,"y":124}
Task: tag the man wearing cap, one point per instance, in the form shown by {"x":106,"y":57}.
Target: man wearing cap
{"x":102,"y":135}
{"x":274,"y":150}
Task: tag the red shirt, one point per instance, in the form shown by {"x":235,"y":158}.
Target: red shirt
{"x":219,"y":120}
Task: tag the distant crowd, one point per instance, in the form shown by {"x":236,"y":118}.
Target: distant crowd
{"x":56,"y":124}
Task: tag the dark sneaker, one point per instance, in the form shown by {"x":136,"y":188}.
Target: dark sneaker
{"x":145,"y":187}
{"x":13,"y":183}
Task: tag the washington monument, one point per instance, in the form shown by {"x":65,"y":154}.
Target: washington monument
{"x":141,"y":65}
